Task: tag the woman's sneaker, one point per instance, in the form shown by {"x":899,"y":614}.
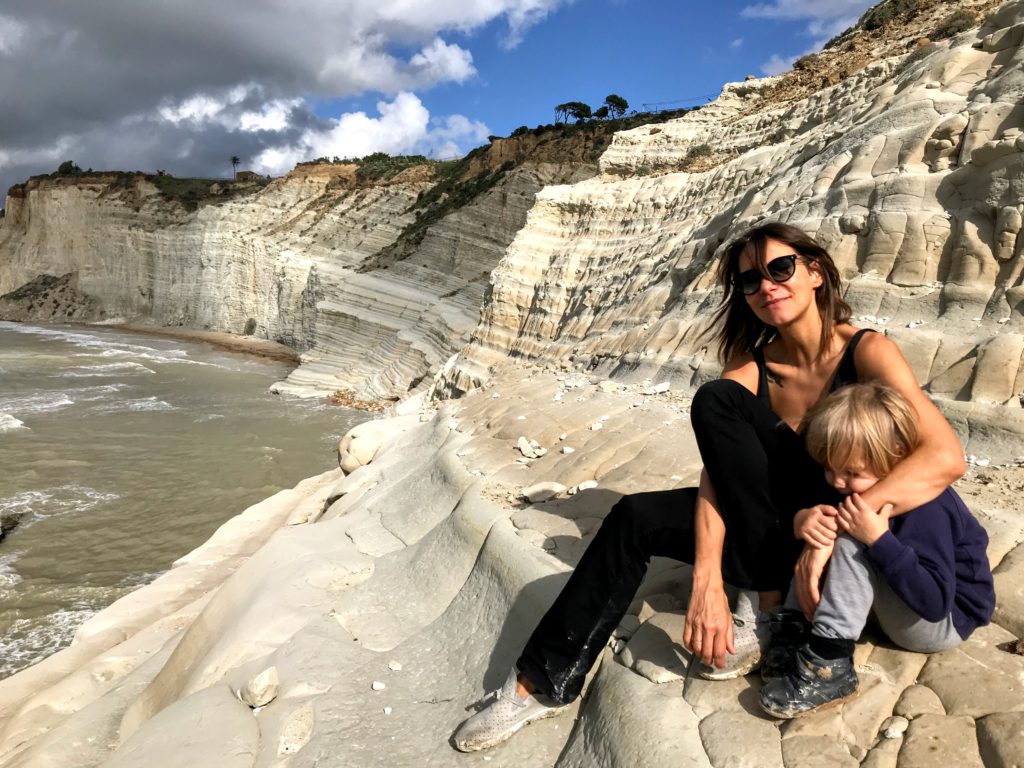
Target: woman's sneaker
{"x":500,"y":719}
{"x":750,"y":638}
{"x":813,"y":683}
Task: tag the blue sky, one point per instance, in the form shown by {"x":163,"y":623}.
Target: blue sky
{"x":648,"y":51}
{"x":183,"y":85}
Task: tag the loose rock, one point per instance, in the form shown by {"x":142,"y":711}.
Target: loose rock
{"x":542,"y":491}
{"x":894,"y":727}
{"x":260,"y":690}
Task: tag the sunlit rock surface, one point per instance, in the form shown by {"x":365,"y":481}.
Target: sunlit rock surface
{"x":391,"y":594}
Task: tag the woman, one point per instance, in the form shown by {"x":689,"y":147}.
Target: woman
{"x":783,"y":330}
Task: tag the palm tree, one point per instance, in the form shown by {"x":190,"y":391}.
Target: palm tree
{"x":235,"y":160}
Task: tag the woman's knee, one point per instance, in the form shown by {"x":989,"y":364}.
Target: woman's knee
{"x":715,"y":398}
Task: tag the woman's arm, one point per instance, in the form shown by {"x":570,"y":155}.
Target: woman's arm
{"x":708,"y":628}
{"x":938,"y":460}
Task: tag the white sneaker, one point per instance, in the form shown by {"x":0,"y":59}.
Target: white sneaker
{"x":500,"y":719}
{"x":750,"y":635}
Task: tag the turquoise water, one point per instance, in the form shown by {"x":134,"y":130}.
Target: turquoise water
{"x":120,"y":453}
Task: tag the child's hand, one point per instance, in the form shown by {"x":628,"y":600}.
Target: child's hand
{"x":862,"y":522}
{"x":816,"y":525}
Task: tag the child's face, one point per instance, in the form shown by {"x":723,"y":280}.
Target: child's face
{"x":855,"y":476}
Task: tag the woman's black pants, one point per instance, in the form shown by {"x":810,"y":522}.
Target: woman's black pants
{"x":761,"y":474}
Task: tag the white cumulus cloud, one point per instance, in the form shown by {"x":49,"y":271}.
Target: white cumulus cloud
{"x":180,"y":85}
{"x":403,"y":125}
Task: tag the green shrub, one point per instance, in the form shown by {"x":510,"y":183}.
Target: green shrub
{"x":959,"y":21}
{"x":887,"y":11}
{"x":522,"y":130}
{"x":804,"y":62}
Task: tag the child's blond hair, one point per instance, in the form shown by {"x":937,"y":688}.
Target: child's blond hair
{"x":870,"y":422}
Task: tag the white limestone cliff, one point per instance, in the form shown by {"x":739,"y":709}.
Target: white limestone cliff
{"x":906,"y":171}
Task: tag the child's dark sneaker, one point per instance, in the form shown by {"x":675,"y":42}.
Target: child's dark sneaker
{"x":788,"y":630}
{"x":813,"y":683}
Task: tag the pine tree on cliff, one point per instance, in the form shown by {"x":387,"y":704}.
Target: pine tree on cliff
{"x":616,"y":105}
{"x":235,"y":160}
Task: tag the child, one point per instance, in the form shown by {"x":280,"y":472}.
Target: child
{"x":925,"y":573}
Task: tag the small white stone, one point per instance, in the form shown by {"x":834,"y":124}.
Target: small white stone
{"x":586,"y":485}
{"x":394,"y":666}
{"x":261,"y":689}
{"x":894,"y":727}
{"x":596,"y":426}
{"x":495,"y":396}
{"x":542,"y":491}
{"x":527,"y":447}
{"x":567,"y":449}
{"x":378,"y":685}
{"x":605,"y":418}
{"x":557,"y":397}
{"x":915,"y":323}
{"x":387,"y":710}
{"x":982,"y":462}
{"x":562,"y":436}
{"x":520,"y":418}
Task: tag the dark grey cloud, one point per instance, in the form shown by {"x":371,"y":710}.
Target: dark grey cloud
{"x":130,"y":83}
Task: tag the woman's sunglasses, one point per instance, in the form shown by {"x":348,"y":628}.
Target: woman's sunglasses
{"x":779,"y":270}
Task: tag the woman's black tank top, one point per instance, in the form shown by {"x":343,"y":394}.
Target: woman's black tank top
{"x":846,"y":371}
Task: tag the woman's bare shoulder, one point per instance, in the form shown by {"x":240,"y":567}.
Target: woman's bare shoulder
{"x":742,"y":369}
{"x":876,"y":351}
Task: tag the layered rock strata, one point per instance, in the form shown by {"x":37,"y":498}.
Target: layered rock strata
{"x":906,"y":171}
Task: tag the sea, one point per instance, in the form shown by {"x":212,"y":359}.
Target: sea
{"x":119,"y":453}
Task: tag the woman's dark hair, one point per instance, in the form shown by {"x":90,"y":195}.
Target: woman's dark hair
{"x":739,"y":329}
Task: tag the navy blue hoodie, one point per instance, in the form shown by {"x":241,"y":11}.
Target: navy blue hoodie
{"x":934,"y":558}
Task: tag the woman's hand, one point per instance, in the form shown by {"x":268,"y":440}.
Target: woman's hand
{"x":707,"y":632}
{"x":816,"y":525}
{"x":807,"y":578}
{"x":862,"y":521}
